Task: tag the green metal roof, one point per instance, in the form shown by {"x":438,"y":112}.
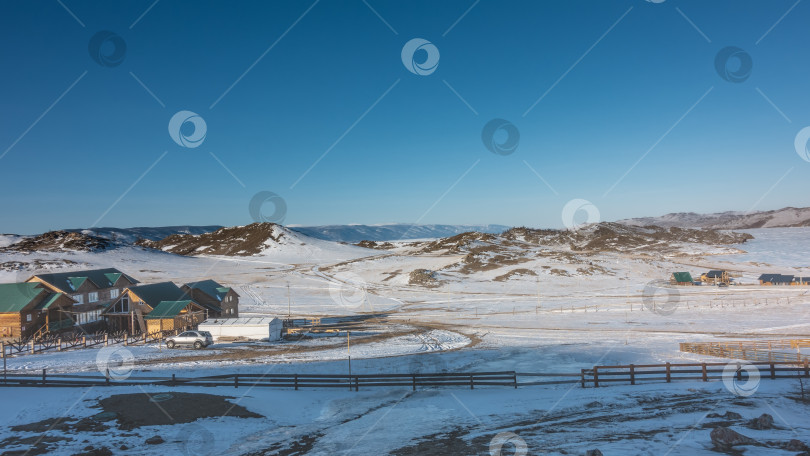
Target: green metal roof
{"x":682,"y":276}
{"x":14,"y":297}
{"x":167,"y":309}
{"x":50,"y":299}
{"x":210,"y":287}
{"x":155,"y":293}
{"x":76,"y":282}
{"x":67,"y":282}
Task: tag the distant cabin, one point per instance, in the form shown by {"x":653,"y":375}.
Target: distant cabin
{"x":31,"y":309}
{"x":782,"y":279}
{"x":219,"y":301}
{"x":151,"y":307}
{"x":681,"y":278}
{"x":715,"y":277}
{"x":92,"y":290}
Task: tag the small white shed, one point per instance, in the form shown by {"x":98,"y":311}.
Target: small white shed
{"x":254,"y":328}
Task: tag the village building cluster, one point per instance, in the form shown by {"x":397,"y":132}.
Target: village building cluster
{"x":109,"y":298}
{"x":720,"y":277}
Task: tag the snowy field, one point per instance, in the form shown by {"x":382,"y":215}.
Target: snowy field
{"x":549,"y":322}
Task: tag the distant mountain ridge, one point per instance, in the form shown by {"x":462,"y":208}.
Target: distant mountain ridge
{"x":391,"y":232}
{"x":789,"y":217}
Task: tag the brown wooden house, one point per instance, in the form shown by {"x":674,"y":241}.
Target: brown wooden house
{"x":130,"y":310}
{"x":171,"y":315}
{"x":715,"y":277}
{"x":31,"y":309}
{"x":219,"y":301}
{"x":92,"y":290}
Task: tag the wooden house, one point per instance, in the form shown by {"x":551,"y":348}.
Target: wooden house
{"x":776,"y":279}
{"x":681,"y":278}
{"x":219,"y":301}
{"x":31,"y":309}
{"x":92,"y":290}
{"x":715,"y":277}
{"x":128,"y":312}
{"x":170,"y":315}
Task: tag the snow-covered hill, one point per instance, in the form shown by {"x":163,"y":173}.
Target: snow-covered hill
{"x":392,"y":232}
{"x":780,"y":218}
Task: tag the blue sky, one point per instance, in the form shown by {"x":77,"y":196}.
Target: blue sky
{"x":87,"y":144}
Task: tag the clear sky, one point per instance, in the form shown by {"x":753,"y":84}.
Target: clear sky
{"x":313,"y":102}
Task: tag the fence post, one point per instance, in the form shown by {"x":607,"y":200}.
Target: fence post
{"x":773,"y":372}
{"x":582,"y":376}
{"x":471,"y":381}
{"x":59,"y":344}
{"x":705,"y":375}
{"x":2,"y":349}
{"x":236,"y":381}
{"x":43,"y":377}
{"x":107,"y":376}
{"x":84,"y":341}
{"x":173,"y":380}
{"x":632,"y":374}
{"x":296,"y":382}
{"x":596,"y":376}
{"x":514,"y":378}
{"x":669,"y":373}
{"x":356,"y":383}
{"x":105,"y":339}
{"x":413,"y":377}
{"x":32,"y":348}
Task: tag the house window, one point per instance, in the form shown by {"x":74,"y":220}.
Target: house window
{"x":92,"y":296}
{"x":122,"y":305}
{"x":79,"y":298}
{"x":114,"y":293}
{"x":28,"y":317}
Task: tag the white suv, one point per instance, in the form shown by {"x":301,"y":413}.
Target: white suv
{"x":198,"y":339}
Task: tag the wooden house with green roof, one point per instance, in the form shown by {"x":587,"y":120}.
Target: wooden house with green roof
{"x":170,"y":315}
{"x":31,"y":309}
{"x":92,"y":290}
{"x":681,"y":278}
{"x":219,"y":301}
{"x":133,"y":311}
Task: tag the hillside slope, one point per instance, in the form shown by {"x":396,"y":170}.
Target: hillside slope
{"x":788,"y":217}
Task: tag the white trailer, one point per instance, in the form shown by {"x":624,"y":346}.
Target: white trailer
{"x":251,"y":328}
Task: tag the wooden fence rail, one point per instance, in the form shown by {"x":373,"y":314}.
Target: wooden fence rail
{"x":91,"y":340}
{"x":597,"y":376}
{"x":758,"y":351}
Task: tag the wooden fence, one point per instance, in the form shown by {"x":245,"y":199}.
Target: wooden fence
{"x":598,"y":376}
{"x":754,"y":350}
{"x":90,"y":340}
